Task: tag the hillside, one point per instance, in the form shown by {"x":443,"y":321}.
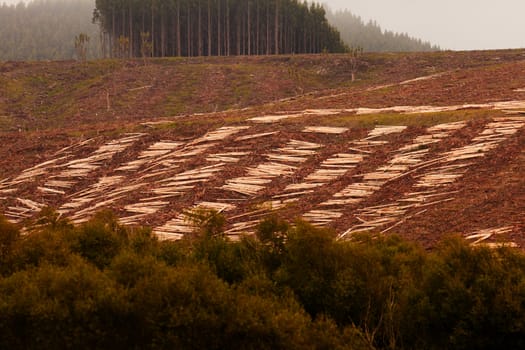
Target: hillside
{"x":422,"y":144}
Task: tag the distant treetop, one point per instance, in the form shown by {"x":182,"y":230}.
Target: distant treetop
{"x":46,"y":29}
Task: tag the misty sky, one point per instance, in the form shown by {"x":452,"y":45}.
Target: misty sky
{"x":451,"y":24}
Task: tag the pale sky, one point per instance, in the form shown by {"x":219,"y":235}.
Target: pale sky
{"x":451,"y":24}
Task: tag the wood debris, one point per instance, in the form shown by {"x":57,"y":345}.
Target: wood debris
{"x":321,"y":217}
{"x":479,"y":237}
{"x":436,"y":109}
{"x":171,"y":161}
{"x":217,"y":206}
{"x":182,"y":224}
{"x":432,"y":183}
{"x":175,"y":229}
{"x":382,"y":130}
{"x":229,"y":157}
{"x":24,"y":209}
{"x":337,"y":166}
{"x":146,"y":207}
{"x":80,"y":168}
{"x":41,"y":169}
{"x":497,"y":245}
{"x":403,"y":160}
{"x":325,"y":130}
{"x":297,"y":114}
{"x":187,"y":180}
{"x":274,"y":118}
{"x":255,"y":136}
{"x":37,"y":170}
{"x":219,"y":134}
{"x":154,"y":151}
{"x":157,"y":172}
{"x":180,"y":183}
{"x":95,"y":192}
{"x":257,"y":177}
{"x":519,"y":104}
{"x":246,"y":227}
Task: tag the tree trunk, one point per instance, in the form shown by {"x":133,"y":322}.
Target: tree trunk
{"x":114,"y":34}
{"x":153,"y":28}
{"x":238,"y":33}
{"x":209,"y":28}
{"x":257,"y":31}
{"x":228,"y":43}
{"x":268,"y":28}
{"x":188,"y":32}
{"x":130,"y":32}
{"x":218,"y":27}
{"x":276,"y":27}
{"x":249,"y":31}
{"x":162,"y":35}
{"x":199,"y":30}
{"x":179,"y":48}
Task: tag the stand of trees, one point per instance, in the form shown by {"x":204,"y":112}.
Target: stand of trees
{"x":100,"y":285}
{"x":369,"y":36}
{"x":214,"y":27}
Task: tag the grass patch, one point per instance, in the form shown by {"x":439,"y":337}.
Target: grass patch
{"x":6,"y":122}
{"x":420,"y":119}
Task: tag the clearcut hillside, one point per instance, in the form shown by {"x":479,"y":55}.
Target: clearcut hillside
{"x":421,"y":145}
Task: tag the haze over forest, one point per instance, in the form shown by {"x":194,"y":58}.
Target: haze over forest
{"x":451,"y":24}
{"x":46,"y":29}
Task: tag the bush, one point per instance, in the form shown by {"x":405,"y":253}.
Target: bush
{"x":101,"y":285}
{"x":61,"y":307}
{"x":9,"y":235}
{"x":100,"y":239}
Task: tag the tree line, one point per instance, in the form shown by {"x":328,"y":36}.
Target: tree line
{"x":214,"y":27}
{"x":100,"y":285}
{"x":47,"y":29}
{"x":371,"y":37}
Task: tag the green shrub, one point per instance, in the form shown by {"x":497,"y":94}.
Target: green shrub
{"x":9,"y":235}
{"x":101,"y":285}
{"x":100,"y":239}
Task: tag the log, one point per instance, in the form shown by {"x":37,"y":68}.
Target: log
{"x":254,"y":136}
{"x":324,"y":130}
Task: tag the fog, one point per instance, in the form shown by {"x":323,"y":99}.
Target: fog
{"x":451,"y":24}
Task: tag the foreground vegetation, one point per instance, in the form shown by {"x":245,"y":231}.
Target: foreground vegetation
{"x":101,"y":285}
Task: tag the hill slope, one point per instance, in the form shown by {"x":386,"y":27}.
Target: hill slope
{"x":422,"y":145}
